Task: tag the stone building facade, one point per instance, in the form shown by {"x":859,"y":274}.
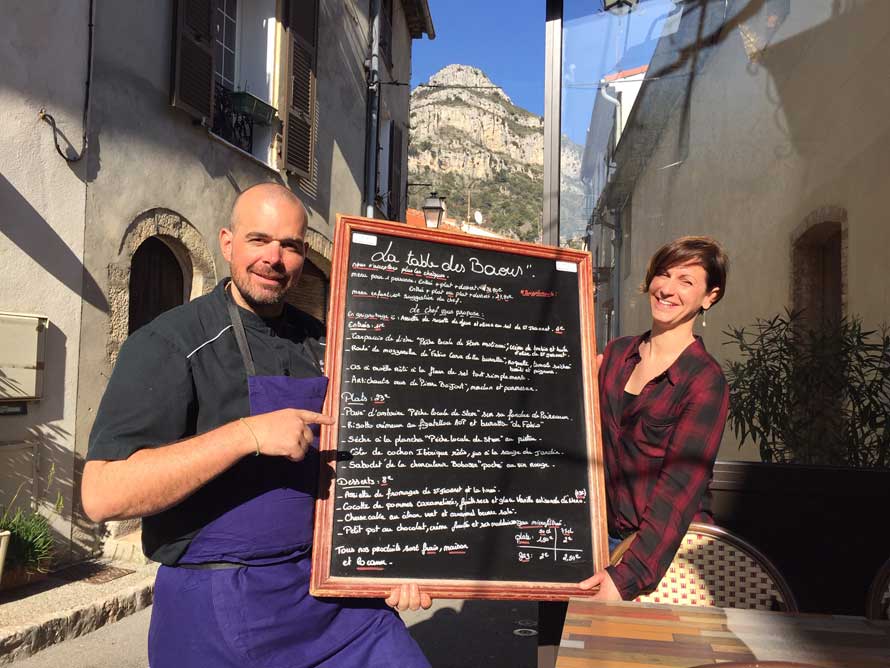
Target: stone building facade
{"x":176,"y":120}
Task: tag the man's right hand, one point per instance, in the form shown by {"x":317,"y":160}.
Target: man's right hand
{"x":153,"y":479}
{"x":286,"y":432}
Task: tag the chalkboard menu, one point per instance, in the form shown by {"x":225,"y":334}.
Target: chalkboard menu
{"x":466,"y":452}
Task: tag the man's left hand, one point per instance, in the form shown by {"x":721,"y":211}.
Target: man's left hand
{"x":408,"y":597}
{"x":607,"y":591}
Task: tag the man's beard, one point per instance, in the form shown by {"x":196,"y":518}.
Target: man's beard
{"x":259,"y":296}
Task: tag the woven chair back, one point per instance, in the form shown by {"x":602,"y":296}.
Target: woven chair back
{"x":716,"y":568}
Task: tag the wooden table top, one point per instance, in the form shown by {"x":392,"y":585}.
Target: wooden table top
{"x":638,"y":635}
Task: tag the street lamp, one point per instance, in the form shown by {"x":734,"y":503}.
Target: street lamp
{"x":433,"y":210}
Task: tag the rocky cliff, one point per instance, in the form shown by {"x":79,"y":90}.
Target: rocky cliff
{"x":468,"y":139}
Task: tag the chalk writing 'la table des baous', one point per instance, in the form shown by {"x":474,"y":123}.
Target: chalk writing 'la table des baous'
{"x":466,"y":454}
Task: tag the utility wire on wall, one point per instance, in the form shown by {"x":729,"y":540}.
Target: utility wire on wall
{"x":48,"y":118}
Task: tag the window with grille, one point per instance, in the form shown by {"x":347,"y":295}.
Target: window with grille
{"x":225,"y":67}
{"x":224,"y":38}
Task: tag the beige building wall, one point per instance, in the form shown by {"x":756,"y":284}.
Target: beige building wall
{"x":44,"y":56}
{"x":772,"y":145}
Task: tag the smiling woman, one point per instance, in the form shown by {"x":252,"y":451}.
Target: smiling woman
{"x":664,"y":401}
{"x":675,"y":279}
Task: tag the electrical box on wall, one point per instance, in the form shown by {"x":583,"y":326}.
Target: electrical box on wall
{"x":22,"y":341}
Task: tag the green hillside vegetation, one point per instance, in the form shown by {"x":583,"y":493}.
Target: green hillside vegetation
{"x":511,"y":202}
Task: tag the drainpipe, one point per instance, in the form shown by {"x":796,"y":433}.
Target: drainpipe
{"x":614,"y":100}
{"x":619,"y":240}
{"x":373,"y":67}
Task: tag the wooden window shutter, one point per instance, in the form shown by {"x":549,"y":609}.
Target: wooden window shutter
{"x":192,"y":64}
{"x":386,"y":32}
{"x":396,"y":169}
{"x":298,"y":135}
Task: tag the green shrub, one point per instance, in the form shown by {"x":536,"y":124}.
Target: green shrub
{"x":812,"y":394}
{"x":31,"y":542}
{"x":511,"y":201}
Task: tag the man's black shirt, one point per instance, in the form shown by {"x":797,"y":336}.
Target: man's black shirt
{"x":182,"y":375}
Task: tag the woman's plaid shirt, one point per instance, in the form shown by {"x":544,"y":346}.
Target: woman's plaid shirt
{"x":659,"y":455}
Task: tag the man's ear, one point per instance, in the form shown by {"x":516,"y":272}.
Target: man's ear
{"x":225,"y":243}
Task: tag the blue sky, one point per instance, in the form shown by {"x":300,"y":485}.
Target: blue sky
{"x":596,"y":44}
{"x":505,"y":39}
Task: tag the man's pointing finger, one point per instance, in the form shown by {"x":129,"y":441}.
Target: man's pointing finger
{"x":310,"y":417}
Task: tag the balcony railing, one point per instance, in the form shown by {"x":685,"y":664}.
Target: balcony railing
{"x":234,"y":126}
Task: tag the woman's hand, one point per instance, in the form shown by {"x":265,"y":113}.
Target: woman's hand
{"x":606,"y":588}
{"x":408,"y":597}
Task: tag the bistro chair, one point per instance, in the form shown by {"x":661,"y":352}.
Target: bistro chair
{"x":714,"y":567}
{"x":878,"y":602}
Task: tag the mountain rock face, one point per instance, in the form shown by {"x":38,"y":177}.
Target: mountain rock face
{"x":470,"y":141}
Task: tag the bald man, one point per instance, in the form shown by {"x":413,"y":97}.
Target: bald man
{"x":207,"y":432}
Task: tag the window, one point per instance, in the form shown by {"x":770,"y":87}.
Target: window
{"x":227,"y":72}
{"x":726,"y":126}
{"x":224,"y":37}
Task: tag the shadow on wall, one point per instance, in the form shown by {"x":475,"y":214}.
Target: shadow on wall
{"x":9,"y":385}
{"x":61,"y":491}
{"x":85,"y":170}
{"x":47,"y":448}
{"x":812,"y":94}
{"x":27,"y":229}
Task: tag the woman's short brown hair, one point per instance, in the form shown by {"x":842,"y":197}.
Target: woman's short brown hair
{"x":703,"y":251}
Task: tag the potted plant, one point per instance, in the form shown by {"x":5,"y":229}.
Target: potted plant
{"x":4,"y":546}
{"x":810,"y":394}
{"x":29,"y":546}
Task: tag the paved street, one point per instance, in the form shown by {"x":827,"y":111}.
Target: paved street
{"x":453,"y":634}
{"x":118,"y":645}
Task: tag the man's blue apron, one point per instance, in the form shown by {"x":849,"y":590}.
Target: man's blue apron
{"x":239,"y":596}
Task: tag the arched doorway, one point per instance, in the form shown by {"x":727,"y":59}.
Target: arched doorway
{"x":157,"y":283}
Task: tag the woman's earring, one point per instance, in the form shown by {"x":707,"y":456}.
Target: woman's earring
{"x":704,"y":317}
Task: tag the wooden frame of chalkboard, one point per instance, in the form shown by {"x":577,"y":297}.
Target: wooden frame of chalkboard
{"x":467,"y":451}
